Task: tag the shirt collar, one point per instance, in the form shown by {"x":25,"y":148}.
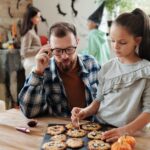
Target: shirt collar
{"x":82,"y":65}
{"x":54,"y":70}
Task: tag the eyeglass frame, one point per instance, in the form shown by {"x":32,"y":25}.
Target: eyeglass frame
{"x":64,"y":50}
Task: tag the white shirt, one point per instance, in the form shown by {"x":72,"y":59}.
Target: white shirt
{"x":124,"y":91}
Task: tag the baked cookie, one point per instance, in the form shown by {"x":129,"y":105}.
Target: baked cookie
{"x":59,"y":137}
{"x":69,"y":126}
{"x":76,"y":132}
{"x":74,"y":142}
{"x":54,"y":145}
{"x":91,"y":126}
{"x":54,"y":130}
{"x":95,"y":135}
{"x":98,"y":145}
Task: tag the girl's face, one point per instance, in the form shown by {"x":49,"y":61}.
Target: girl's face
{"x":36,"y":19}
{"x":123,"y":43}
{"x":91,"y":25}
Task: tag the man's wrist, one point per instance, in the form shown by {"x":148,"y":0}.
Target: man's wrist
{"x":38,"y":72}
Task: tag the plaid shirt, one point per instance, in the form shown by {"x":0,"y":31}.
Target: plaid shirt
{"x":47,"y":94}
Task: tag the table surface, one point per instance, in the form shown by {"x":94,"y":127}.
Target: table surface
{"x":11,"y":139}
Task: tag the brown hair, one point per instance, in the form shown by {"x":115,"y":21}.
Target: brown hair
{"x":61,"y":29}
{"x":138,"y":24}
{"x":27,"y":23}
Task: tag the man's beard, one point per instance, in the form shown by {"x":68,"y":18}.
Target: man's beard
{"x":67,"y":67}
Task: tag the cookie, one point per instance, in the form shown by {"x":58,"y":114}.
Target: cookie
{"x":54,"y":130}
{"x":95,"y":135}
{"x":69,"y":126}
{"x":59,"y":137}
{"x":91,"y":126}
{"x":76,"y":132}
{"x":98,"y":145}
{"x":75,"y":142}
{"x":54,"y":145}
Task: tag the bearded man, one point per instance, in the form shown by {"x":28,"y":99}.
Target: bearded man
{"x":61,"y":79}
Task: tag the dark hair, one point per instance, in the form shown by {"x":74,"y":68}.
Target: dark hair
{"x":138,"y":24}
{"x":61,"y":29}
{"x":27,"y":23}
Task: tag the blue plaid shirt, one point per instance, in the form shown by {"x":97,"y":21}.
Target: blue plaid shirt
{"x":47,"y":94}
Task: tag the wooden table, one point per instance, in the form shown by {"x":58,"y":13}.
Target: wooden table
{"x":11,"y":139}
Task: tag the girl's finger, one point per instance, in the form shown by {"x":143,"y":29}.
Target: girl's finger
{"x":113,"y":139}
{"x":75,"y":111}
{"x":108,"y":134}
{"x":74,"y":121}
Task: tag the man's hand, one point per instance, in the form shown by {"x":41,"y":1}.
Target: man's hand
{"x":42,"y":59}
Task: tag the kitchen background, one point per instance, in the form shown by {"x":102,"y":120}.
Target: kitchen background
{"x":74,"y":11}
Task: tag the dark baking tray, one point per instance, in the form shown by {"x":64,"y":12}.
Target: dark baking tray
{"x":47,"y":137}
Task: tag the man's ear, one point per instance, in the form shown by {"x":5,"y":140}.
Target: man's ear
{"x":138,"y":40}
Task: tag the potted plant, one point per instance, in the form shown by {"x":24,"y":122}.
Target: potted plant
{"x":114,"y":7}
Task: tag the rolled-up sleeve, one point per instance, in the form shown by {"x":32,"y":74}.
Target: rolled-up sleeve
{"x":32,"y":97}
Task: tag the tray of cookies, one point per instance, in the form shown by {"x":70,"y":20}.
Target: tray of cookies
{"x":66,"y":137}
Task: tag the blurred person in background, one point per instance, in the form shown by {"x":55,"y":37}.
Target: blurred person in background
{"x":30,"y":41}
{"x":97,"y":44}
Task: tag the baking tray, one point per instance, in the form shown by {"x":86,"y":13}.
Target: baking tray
{"x":85,"y":139}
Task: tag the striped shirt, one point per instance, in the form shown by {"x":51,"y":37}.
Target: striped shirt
{"x":46,"y":93}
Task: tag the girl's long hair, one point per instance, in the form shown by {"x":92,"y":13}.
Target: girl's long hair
{"x":27,"y":23}
{"x":138,"y":24}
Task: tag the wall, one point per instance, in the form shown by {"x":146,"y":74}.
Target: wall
{"x":144,"y":5}
{"x":84,"y":8}
{"x":11,"y":12}
{"x":50,"y":12}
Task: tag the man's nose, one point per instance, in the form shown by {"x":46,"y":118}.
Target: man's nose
{"x":64,"y":54}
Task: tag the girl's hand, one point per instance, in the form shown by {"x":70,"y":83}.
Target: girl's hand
{"x":113,"y":134}
{"x":77,"y":114}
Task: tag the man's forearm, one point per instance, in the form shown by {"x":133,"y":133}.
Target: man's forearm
{"x":32,"y":97}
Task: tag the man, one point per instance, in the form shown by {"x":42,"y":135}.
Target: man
{"x":61,"y":79}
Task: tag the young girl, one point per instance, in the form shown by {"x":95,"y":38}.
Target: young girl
{"x":123,"y":98}
{"x":97,"y":43}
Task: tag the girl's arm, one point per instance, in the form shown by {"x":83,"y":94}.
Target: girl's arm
{"x":138,"y":123}
{"x":128,"y":129}
{"x":91,"y":109}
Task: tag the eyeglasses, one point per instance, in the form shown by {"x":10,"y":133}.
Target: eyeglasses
{"x":59,"y":51}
